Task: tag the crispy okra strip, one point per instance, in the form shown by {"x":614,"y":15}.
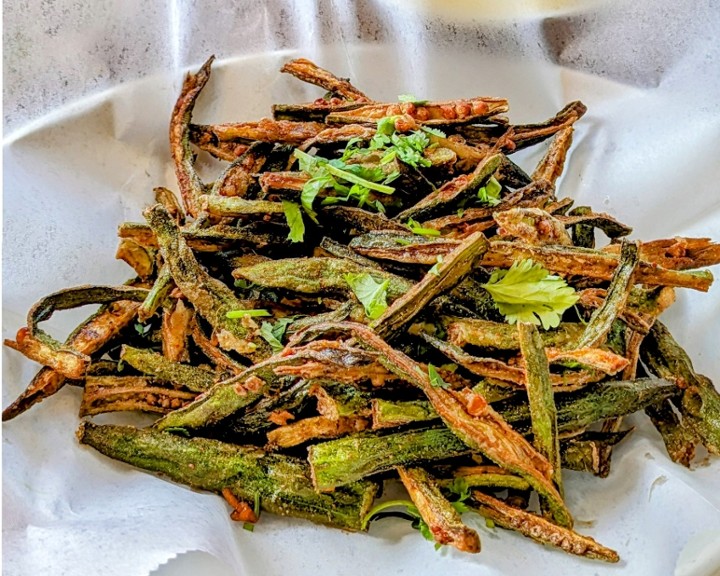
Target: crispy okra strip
{"x":679,"y":437}
{"x":175,"y":331}
{"x":474,"y":421}
{"x":392,"y":413}
{"x":402,"y":247}
{"x":158,"y":366}
{"x":543,"y":414}
{"x":282,"y":406}
{"x":677,"y":253}
{"x":358,"y":220}
{"x":532,"y":226}
{"x":442,"y":519}
{"x":235,"y":206}
{"x":168,"y":199}
{"x":87,"y":338}
{"x":210,"y":297}
{"x":452,"y":191}
{"x":342,"y":251}
{"x":219,"y":358}
{"x":265,"y":130}
{"x":229,"y":396}
{"x":492,"y":477}
{"x":617,"y":294}
{"x":540,"y":529}
{"x":551,"y":166}
{"x":314,"y":428}
{"x":189,"y":182}
{"x":585,"y":453}
{"x":37,"y":345}
{"x":345,"y":460}
{"x":160,"y":289}
{"x":523,"y":135}
{"x":450,"y":113}
{"x":700,"y":403}
{"x":316,"y":111}
{"x":583,"y":234}
{"x":316,"y":275}
{"x":497,"y":336}
{"x":451,"y":271}
{"x":337,"y":399}
{"x":110,"y":393}
{"x":595,"y":402}
{"x":592,"y":264}
{"x":210,"y":239}
{"x":239,"y":175}
{"x":282,"y":483}
{"x":307,"y":71}
{"x":140,"y":258}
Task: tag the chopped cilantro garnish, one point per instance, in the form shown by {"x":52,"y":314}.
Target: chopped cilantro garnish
{"x":372,"y":294}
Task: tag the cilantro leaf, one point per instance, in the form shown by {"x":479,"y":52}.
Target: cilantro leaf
{"x":433,"y":131}
{"x":527,"y":292}
{"x":142,"y":329}
{"x":294,"y":221}
{"x":409,"y":98}
{"x":415,"y":228}
{"x":436,"y":267}
{"x":435,"y":379}
{"x":273,"y":334}
{"x":490,"y":193}
{"x":372,"y":295}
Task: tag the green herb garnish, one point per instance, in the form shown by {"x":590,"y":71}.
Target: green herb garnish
{"x":435,"y":378}
{"x":527,"y":292}
{"x":490,"y":193}
{"x":415,"y":228}
{"x":372,"y":294}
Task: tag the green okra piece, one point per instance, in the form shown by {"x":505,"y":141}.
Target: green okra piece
{"x":391,"y":413}
{"x":205,"y":239}
{"x":210,"y":297}
{"x":551,"y":166}
{"x":345,"y":460}
{"x":503,"y":336}
{"x":449,"y":272}
{"x":442,"y":519}
{"x":316,"y":275}
{"x":160,"y":289}
{"x":583,"y":221}
{"x":358,"y":220}
{"x":452,"y":192}
{"x":189,"y":182}
{"x":340,"y":400}
{"x":486,"y":477}
{"x":403,"y":247}
{"x":156,"y":365}
{"x":282,"y":483}
{"x":543,"y":414}
{"x":617,"y":295}
{"x":679,"y":437}
{"x":583,"y":235}
{"x":595,"y":402}
{"x":341,"y":251}
{"x":256,"y":419}
{"x":700,"y":401}
{"x":235,"y":206}
{"x":227,"y":397}
{"x":584,"y":453}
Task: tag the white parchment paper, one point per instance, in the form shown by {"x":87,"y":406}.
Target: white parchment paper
{"x":646,"y":152}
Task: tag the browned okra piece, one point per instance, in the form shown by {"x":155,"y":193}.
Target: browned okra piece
{"x":265,"y":130}
{"x":189,"y":182}
{"x":442,"y":519}
{"x":308,"y":71}
{"x":102,"y":394}
{"x":540,"y":529}
{"x":450,"y":113}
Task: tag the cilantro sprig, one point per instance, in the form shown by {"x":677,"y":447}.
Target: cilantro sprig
{"x":372,"y":294}
{"x":273,"y":333}
{"x":527,"y":292}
